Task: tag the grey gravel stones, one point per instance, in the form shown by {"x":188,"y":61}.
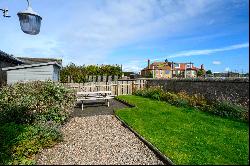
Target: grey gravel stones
{"x":95,"y":137}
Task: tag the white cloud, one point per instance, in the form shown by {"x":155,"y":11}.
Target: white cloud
{"x":216,"y":62}
{"x":134,"y":66}
{"x":87,"y":32}
{"x":227,"y":69}
{"x":99,"y":28}
{"x":137,"y":65}
{"x":208,"y":51}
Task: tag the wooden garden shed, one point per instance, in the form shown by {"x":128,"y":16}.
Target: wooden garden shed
{"x":33,"y":72}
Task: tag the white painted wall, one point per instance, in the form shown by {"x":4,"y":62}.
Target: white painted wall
{"x":41,"y":73}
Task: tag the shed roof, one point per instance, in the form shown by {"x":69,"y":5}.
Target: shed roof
{"x":30,"y":66}
{"x":8,"y":57}
{"x":30,"y":61}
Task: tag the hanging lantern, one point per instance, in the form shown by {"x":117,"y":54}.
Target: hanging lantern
{"x":30,"y":21}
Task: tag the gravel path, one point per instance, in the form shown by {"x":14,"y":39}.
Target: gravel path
{"x":95,"y":137}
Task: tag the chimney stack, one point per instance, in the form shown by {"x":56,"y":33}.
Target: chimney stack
{"x":148,"y":64}
{"x":202,"y":67}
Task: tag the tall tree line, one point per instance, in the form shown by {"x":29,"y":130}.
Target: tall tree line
{"x":78,"y":73}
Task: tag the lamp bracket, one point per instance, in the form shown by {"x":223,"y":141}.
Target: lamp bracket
{"x":5,"y":12}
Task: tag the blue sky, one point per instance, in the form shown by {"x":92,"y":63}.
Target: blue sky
{"x":128,"y":32}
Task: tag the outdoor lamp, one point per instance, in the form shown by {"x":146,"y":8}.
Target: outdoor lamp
{"x":30,"y":21}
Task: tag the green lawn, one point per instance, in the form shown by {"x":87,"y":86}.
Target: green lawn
{"x":185,"y":135}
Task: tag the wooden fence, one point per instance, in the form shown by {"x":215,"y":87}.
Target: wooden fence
{"x":119,"y":87}
{"x":96,"y":78}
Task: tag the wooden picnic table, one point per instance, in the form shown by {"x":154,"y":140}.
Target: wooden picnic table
{"x":98,"y":95}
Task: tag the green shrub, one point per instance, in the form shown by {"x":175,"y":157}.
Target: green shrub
{"x":226,"y":109}
{"x":78,"y":73}
{"x":30,"y":114}
{"x":195,"y":100}
{"x":18,"y":114}
{"x":19,"y":142}
{"x":27,"y":102}
{"x":153,"y":93}
{"x":170,"y":97}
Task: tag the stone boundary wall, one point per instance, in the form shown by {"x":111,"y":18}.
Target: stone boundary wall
{"x":233,"y":90}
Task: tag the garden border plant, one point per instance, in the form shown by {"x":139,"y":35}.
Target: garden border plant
{"x":182,"y":99}
{"x":30,"y":118}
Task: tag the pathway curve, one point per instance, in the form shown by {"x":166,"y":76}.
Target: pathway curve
{"x":95,"y":137}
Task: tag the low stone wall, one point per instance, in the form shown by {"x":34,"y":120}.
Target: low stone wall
{"x":233,"y":90}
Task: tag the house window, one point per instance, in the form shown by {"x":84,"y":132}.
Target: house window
{"x":167,"y":71}
{"x":189,"y":66}
{"x":177,"y":65}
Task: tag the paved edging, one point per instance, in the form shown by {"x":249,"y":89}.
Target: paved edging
{"x":161,"y":156}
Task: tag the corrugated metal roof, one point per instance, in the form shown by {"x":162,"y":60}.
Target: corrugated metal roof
{"x":30,"y":66}
{"x":28,"y":60}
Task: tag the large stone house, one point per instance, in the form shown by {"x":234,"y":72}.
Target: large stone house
{"x":157,"y":70}
{"x":185,"y":70}
{"x":170,"y":70}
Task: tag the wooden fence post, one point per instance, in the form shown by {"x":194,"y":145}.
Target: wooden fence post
{"x":104,"y":78}
{"x":68,"y":79}
{"x":115,"y":78}
{"x":117,"y":87}
{"x":133,"y":86}
{"x":90,"y":78}
{"x":109,"y":78}
{"x":94,"y":78}
{"x":86,"y":78}
{"x":98,"y":78}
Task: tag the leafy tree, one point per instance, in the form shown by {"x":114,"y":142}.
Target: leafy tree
{"x":78,"y":73}
{"x":209,"y":72}
{"x":149,"y":75}
{"x":201,"y":72}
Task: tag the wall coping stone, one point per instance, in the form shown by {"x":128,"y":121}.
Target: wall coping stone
{"x":233,"y":80}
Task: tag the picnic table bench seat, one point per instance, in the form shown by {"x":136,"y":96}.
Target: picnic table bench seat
{"x":98,"y":95}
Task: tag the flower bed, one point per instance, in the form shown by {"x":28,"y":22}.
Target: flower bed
{"x":182,"y":99}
